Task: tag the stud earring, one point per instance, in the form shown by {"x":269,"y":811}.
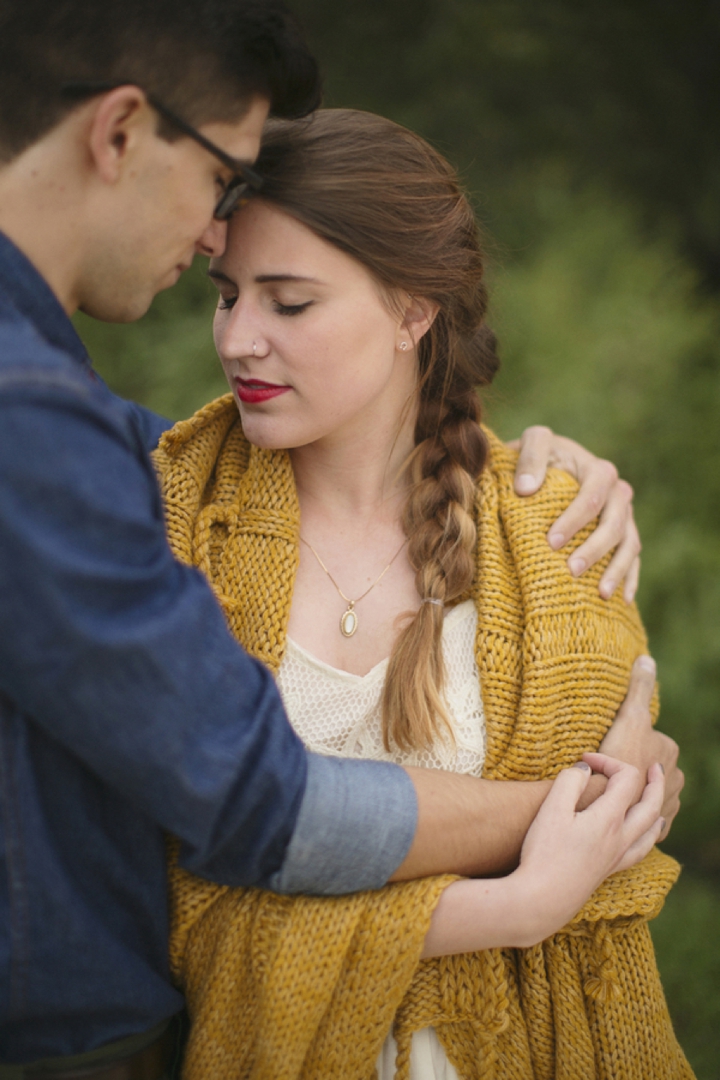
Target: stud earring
{"x":403,"y":345}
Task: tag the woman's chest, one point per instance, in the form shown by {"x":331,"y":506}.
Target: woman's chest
{"x":339,"y":713}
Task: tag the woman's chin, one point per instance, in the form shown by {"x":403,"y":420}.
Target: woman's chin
{"x":258,"y":435}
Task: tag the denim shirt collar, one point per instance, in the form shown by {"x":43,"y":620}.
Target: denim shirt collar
{"x":30,"y":293}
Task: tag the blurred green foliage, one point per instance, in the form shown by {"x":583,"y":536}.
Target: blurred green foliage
{"x":589,"y":135}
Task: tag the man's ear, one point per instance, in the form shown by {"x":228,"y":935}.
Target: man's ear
{"x":420,"y":314}
{"x":122,"y":119}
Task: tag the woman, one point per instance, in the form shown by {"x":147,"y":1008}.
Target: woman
{"x":366,"y":545}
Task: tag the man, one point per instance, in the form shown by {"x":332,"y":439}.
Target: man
{"x":127,"y":132}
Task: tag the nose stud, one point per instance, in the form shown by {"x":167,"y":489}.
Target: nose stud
{"x":254,"y":348}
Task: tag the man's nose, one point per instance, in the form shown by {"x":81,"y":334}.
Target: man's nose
{"x":213,"y":240}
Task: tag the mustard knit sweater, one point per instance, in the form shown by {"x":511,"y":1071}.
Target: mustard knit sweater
{"x":302,"y":988}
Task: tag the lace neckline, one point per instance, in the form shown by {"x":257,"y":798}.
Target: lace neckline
{"x":456,"y":614}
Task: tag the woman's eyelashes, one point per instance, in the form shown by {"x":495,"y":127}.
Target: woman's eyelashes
{"x":291,"y":309}
{"x":227,"y":302}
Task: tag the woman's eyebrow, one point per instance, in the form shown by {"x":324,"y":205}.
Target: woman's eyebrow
{"x":217,"y":275}
{"x":263,"y":279}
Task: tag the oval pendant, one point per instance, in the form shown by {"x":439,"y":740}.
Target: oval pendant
{"x":348,"y":623}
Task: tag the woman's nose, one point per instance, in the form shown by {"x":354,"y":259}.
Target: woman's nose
{"x":242,"y":338}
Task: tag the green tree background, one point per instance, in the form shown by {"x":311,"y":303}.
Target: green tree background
{"x":588,"y":137}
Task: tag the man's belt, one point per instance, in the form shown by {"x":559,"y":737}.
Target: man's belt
{"x":151,"y":1062}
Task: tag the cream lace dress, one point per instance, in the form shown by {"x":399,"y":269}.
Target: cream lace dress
{"x":337,"y":713}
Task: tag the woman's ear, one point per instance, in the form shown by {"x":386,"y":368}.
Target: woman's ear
{"x":419,"y":316}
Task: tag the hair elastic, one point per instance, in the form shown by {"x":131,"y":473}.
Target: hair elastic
{"x":432,"y":600}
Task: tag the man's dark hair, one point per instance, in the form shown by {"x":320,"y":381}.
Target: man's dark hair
{"x":203,"y":59}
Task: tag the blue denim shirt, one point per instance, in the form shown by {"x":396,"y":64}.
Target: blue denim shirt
{"x":127,"y":710}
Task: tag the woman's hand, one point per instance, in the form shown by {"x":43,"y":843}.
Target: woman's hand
{"x":601,"y":492}
{"x":566,"y":854}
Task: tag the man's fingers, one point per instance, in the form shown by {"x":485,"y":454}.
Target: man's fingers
{"x":598,"y":480}
{"x":641,"y":687}
{"x":611,"y":531}
{"x":535,"y":446}
{"x":624,"y":559}
{"x":631,"y":580}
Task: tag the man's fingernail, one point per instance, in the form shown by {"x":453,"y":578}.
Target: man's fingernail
{"x":577,"y":566}
{"x":647,"y":664}
{"x":663,"y":823}
{"x":662,"y":767}
{"x":525,"y":484}
{"x":556,"y":540}
{"x":582,"y":765}
{"x":607,"y":588}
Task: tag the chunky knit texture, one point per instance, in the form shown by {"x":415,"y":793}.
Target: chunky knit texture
{"x":282,"y":988}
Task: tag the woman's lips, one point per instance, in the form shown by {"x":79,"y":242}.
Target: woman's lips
{"x":253,"y":391}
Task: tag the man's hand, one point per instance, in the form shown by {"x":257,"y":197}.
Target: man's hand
{"x":477,"y":827}
{"x":633,"y":739}
{"x":601,"y":492}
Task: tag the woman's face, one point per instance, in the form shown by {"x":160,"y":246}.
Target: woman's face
{"x":309,"y":345}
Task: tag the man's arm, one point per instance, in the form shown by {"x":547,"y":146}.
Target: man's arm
{"x":476,"y":827}
{"x":122,"y":656}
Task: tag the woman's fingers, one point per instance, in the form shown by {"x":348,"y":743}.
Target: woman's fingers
{"x":623,"y":783}
{"x":639,"y":825}
{"x":643,"y":821}
{"x":567,"y":788}
{"x":642,"y":846}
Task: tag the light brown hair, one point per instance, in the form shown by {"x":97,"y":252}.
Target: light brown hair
{"x":384,"y":196}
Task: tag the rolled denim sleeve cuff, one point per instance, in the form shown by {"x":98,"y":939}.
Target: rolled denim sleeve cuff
{"x":355,"y":826}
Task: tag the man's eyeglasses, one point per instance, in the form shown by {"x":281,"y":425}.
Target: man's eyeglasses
{"x":245,"y":180}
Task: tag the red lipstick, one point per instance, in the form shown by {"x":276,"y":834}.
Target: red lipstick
{"x":254,"y":391}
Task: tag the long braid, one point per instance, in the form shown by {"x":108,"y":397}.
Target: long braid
{"x":449,"y":456}
{"x":385,"y":197}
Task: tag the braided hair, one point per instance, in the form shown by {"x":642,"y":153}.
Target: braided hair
{"x":385,"y":197}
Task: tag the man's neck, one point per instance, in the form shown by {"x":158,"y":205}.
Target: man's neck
{"x":39,"y":213}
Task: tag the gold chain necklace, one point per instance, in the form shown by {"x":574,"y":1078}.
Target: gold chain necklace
{"x":349,"y":619}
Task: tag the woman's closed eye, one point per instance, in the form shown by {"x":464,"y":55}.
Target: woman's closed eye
{"x":291,"y":309}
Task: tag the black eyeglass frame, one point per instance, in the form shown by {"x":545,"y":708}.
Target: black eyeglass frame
{"x":245,"y":182}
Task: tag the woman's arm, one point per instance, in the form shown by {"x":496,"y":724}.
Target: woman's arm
{"x":601,"y":493}
{"x":565,"y":856}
